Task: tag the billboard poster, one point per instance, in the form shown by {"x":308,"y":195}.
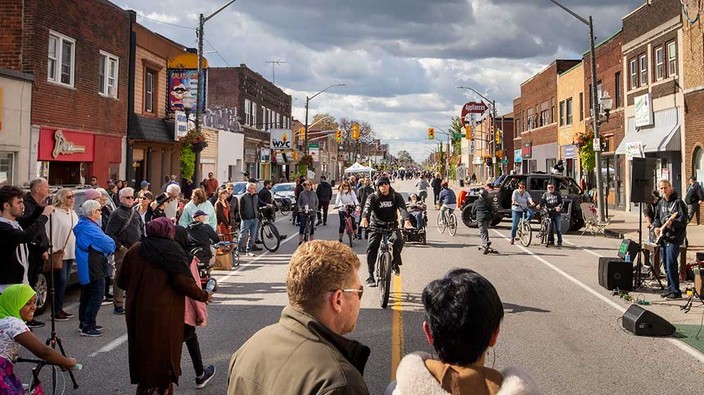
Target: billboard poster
{"x":183,"y":89}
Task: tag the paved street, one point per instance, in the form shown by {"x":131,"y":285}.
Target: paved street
{"x":560,"y":325}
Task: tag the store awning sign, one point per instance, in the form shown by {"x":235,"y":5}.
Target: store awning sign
{"x":56,"y":144}
{"x":634,"y":149}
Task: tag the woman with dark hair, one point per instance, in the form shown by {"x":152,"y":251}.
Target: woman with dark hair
{"x":156,"y":277}
{"x":463,"y":314}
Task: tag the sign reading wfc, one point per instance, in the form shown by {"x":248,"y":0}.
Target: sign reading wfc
{"x":473,"y":108}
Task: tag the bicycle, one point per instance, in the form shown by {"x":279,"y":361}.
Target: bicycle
{"x":544,"y":232}
{"x":34,"y":387}
{"x":268,"y":233}
{"x":384,"y":260}
{"x":309,"y":217}
{"x":349,"y":223}
{"x":282,"y":204}
{"x":524,"y":231}
{"x":447,"y":220}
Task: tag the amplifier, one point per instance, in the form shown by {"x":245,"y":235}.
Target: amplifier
{"x":615,"y":273}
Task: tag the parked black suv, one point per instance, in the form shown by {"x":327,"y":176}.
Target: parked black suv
{"x":536,"y":185}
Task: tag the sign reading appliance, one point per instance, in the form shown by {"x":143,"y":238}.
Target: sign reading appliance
{"x":280,"y":139}
{"x":473,"y":108}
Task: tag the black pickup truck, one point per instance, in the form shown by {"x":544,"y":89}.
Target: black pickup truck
{"x":536,"y":185}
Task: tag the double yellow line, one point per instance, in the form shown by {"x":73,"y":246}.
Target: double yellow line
{"x":396,"y":329}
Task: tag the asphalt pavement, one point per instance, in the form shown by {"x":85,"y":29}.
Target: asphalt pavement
{"x":559,"y":324}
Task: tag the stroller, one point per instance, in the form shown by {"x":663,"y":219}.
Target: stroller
{"x":416,"y":234}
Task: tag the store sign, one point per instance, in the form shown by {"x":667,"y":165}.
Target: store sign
{"x":180,"y":124}
{"x":634,"y":150}
{"x":644,"y":111}
{"x":183,"y":89}
{"x":64,"y":145}
{"x":527,"y":151}
{"x":569,"y":152}
{"x":280,"y":139}
{"x":264,"y":155}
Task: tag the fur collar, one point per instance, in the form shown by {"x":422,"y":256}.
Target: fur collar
{"x":412,"y":377}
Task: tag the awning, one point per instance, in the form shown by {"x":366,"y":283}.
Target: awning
{"x":664,"y":136}
{"x":150,"y":129}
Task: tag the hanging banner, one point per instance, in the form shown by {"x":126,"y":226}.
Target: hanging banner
{"x":183,"y":90}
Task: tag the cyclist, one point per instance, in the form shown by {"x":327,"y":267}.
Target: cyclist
{"x":345,"y":198}
{"x":306,"y":203}
{"x":520,"y":200}
{"x":447,"y":200}
{"x":382,"y":209}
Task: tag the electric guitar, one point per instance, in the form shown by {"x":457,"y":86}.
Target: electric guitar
{"x":662,"y":228}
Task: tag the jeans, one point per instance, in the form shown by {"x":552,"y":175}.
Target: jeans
{"x":60,"y":280}
{"x":249,"y":228}
{"x":191,"y":340}
{"x":668,"y":257}
{"x":418,"y":217}
{"x":91,"y":298}
{"x":323,"y":212}
{"x":516,"y":218}
{"x":693,"y":212}
{"x":555,"y":227}
{"x":302,"y":223}
{"x":395,"y":239}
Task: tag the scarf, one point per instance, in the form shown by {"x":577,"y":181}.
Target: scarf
{"x":13,"y":299}
{"x":22,"y":252}
{"x":160,"y":249}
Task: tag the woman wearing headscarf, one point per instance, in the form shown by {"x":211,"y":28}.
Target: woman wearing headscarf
{"x":59,"y":228}
{"x":17,"y":305}
{"x":156,"y":277}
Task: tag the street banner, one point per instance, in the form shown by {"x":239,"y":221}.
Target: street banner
{"x":280,"y":139}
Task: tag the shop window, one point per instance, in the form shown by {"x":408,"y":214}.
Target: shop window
{"x":108,"y":72}
{"x":7,"y":161}
{"x":61,"y":64}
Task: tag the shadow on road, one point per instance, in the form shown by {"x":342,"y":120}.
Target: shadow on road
{"x":511,"y":308}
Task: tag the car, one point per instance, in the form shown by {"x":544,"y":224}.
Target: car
{"x":285,"y":189}
{"x":536,"y":185}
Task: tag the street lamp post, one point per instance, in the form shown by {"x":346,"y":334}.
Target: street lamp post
{"x":595,"y":110}
{"x":308,"y":99}
{"x":201,"y":81}
{"x":492,"y":137}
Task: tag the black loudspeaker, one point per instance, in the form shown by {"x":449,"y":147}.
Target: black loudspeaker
{"x":642,"y":322}
{"x":615,"y":273}
{"x":630,"y":247}
{"x":642,"y":180}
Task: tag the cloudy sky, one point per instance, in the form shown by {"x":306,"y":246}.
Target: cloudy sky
{"x":401,"y":60}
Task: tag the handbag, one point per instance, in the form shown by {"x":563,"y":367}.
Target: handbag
{"x":56,"y":259}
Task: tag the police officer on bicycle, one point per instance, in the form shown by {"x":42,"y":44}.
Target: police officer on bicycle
{"x":382,"y":207}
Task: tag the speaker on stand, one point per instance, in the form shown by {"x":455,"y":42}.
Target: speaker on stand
{"x":641,"y":186}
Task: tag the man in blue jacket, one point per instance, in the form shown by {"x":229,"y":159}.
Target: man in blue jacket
{"x":92,"y":250}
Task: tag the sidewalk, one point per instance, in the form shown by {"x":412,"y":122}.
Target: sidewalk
{"x":624,"y":225}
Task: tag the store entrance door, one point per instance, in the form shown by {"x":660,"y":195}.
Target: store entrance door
{"x":65,"y":173}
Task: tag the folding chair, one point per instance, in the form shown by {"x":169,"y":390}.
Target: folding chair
{"x":591,"y":221}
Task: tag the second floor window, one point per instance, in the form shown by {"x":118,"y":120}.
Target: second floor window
{"x":149,"y":91}
{"x":659,"y":64}
{"x":643,"y":70}
{"x":562,"y":113}
{"x":254,"y":115}
{"x":61,"y":63}
{"x":568,"y":111}
{"x":247,"y":112}
{"x":634,"y":77}
{"x":671,"y":59}
{"x":108,"y":74}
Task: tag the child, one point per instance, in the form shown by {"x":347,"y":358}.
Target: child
{"x":484,"y":214}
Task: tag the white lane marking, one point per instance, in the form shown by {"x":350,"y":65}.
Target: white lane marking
{"x":696,"y":354}
{"x":111,"y":346}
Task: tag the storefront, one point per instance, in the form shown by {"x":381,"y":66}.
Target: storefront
{"x":251,"y":159}
{"x":15,"y":121}
{"x":68,"y":157}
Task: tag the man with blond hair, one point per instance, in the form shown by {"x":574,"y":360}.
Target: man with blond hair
{"x":305,"y":352}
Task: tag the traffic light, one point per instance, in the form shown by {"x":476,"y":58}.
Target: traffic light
{"x":355,"y":131}
{"x":498,"y":137}
{"x":338,"y":135}
{"x":431,"y":133}
{"x":468,"y":132}
{"x":302,"y":133}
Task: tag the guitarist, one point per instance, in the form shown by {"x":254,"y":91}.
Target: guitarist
{"x":670,"y":225}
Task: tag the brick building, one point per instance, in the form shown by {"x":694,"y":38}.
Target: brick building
{"x":537,"y":113}
{"x":80,"y":88}
{"x":570,"y":117}
{"x":262,"y":106}
{"x":609,"y":77}
{"x":654,"y":101}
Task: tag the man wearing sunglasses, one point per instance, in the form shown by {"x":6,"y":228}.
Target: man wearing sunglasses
{"x":382,"y":208}
{"x":552,"y":201}
{"x":306,"y":351}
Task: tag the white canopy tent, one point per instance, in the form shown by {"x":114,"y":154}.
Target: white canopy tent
{"x":357,"y":168}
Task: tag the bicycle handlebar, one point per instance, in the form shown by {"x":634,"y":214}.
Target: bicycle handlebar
{"x":41,"y":363}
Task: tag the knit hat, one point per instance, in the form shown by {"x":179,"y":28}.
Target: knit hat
{"x":92,"y":194}
{"x":13,"y":299}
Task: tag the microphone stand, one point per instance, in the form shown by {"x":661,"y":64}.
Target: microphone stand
{"x":54,"y":339}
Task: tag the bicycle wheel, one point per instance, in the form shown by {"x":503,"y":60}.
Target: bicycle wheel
{"x":269,"y":236}
{"x":525,"y":232}
{"x":544,"y":231}
{"x":284,"y":208}
{"x":452,"y":224}
{"x":440,"y":224}
{"x":384,"y":278}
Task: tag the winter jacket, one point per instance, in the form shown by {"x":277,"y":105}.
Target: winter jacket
{"x":677,"y":232}
{"x":131,"y":233}
{"x":298,"y":355}
{"x":437,"y":185}
{"x":324,"y":191}
{"x":695,"y":193}
{"x":92,"y":250}
{"x":201,"y":235}
{"x":14,"y":253}
{"x":32,"y":211}
{"x":482,"y":210}
{"x":363,"y":193}
{"x":191,"y":208}
{"x":249,"y":206}
{"x":447,"y":196}
{"x":383,"y":209}
{"x":418,"y":373}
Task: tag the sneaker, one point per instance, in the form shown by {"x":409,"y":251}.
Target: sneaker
{"x":119,"y":311}
{"x":34,"y":324}
{"x":69,"y":315}
{"x":396,"y":269}
{"x":106,"y":302}
{"x":674,"y":296}
{"x":208,"y":374}
{"x":60,"y":316}
{"x":318,"y":223}
{"x":666,"y":294}
{"x":371,"y":282}
{"x":255,"y":248}
{"x":559,"y":245}
{"x":257,"y":242}
{"x":250,"y":253}
{"x":325,"y":224}
{"x":512,"y":242}
{"x":109,"y":297}
{"x":91,"y":332}
{"x":98,"y":328}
